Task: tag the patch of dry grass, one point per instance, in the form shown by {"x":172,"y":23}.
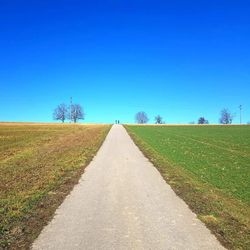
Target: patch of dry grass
{"x":39,"y":164}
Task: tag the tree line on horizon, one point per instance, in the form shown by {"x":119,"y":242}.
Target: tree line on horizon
{"x":75,"y":112}
{"x":226,"y":117}
{"x":72,"y":112}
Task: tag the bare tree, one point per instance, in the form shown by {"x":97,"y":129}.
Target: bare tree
{"x":226,"y":117}
{"x":76,"y":112}
{"x":60,"y":112}
{"x":159,"y":120}
{"x":141,"y":117}
{"x":202,"y":120}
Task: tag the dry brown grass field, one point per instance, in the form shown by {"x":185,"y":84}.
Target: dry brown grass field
{"x":39,"y":165}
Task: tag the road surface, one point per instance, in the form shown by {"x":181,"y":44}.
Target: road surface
{"x":122,"y":202}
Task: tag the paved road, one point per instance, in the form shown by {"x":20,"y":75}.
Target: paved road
{"x":122,"y":202}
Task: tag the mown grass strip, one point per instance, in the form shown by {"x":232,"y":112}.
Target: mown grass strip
{"x":39,"y":165}
{"x":208,"y":167}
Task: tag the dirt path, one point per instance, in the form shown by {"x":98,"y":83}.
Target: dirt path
{"x":122,"y":202}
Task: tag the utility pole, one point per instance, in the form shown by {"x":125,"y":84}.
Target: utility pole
{"x":240,"y":107}
{"x":70,"y":109}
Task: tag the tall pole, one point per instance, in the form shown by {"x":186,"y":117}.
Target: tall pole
{"x":70,"y":109}
{"x":240,"y":107}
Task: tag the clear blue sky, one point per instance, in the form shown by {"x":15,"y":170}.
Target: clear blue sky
{"x":180,"y":59}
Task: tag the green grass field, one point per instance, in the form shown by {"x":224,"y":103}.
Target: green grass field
{"x":209,"y":167}
{"x":39,"y":164}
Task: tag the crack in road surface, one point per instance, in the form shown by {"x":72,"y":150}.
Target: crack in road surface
{"x":122,"y":202}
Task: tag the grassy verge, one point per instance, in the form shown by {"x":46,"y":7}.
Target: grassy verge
{"x":39,"y":165}
{"x":208,"y":167}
